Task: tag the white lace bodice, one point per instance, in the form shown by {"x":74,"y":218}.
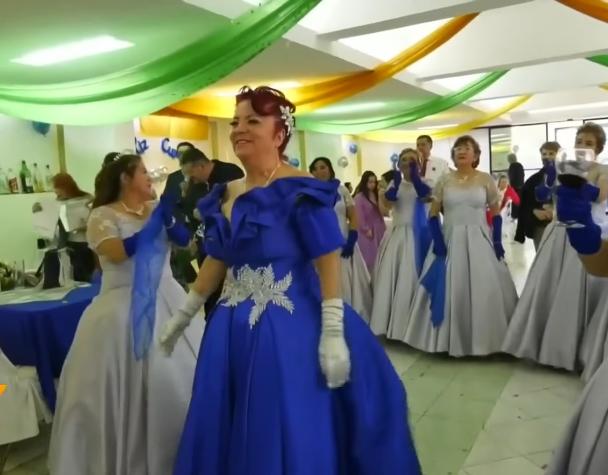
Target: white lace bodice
{"x":107,"y":223}
{"x":345,"y":201}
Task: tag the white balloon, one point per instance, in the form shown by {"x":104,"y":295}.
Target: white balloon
{"x":515,"y":148}
{"x":343,"y":162}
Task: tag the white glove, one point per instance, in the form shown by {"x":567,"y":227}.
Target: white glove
{"x":179,"y":321}
{"x":333,"y":352}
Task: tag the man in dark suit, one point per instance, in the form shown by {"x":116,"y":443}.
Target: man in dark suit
{"x":175,"y":179}
{"x":202,"y":174}
{"x":516,"y":180}
{"x":180,"y":257}
{"x":534,"y":216}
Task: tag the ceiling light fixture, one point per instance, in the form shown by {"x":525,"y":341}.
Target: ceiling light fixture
{"x":591,"y":105}
{"x":71,"y":51}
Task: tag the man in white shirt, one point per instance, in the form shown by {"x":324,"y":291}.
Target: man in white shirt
{"x":431,"y":168}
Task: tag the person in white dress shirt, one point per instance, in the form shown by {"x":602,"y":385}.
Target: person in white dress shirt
{"x":431,"y":168}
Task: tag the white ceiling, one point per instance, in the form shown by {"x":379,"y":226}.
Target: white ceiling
{"x":542,"y":42}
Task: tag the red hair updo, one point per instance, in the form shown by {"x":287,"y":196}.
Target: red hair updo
{"x":266,"y":101}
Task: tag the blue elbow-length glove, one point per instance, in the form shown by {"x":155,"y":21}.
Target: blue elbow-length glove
{"x":574,"y":207}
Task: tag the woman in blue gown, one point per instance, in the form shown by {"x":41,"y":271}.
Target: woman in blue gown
{"x":289,"y":379}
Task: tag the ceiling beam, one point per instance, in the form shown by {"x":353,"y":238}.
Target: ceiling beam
{"x":514,"y":37}
{"x":380,"y":15}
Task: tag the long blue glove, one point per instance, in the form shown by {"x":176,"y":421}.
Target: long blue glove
{"x":544,"y":191}
{"x":391,"y":195}
{"x":422,"y":189}
{"x":550,"y":172}
{"x":130,"y":244}
{"x":177,"y":232}
{"x":497,"y":237}
{"x":574,"y":206}
{"x":351,"y":241}
{"x":439,"y":247}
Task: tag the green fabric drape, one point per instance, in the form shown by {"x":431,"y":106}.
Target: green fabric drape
{"x":149,"y":87}
{"x":430,"y":107}
{"x":599,"y":59}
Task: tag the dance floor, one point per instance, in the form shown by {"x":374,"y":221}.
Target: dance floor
{"x":470,"y":416}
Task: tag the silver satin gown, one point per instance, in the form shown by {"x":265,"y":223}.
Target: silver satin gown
{"x":480,"y":293}
{"x":395,"y":277}
{"x":116,"y":415}
{"x":583,"y":449}
{"x":557,"y":304}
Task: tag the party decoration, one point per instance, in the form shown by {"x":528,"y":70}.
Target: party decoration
{"x":594,"y":8}
{"x":141,"y":146}
{"x":343,"y":162}
{"x":352,"y":148}
{"x":165,"y":147}
{"x":294,"y":162}
{"x":431,"y":107}
{"x":515,"y":148}
{"x":323,"y":93}
{"x":153,"y":85}
{"x":394,"y":158}
{"x":41,"y":127}
{"x":402,"y":136}
{"x":601,"y":59}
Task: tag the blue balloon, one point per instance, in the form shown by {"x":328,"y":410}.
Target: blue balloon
{"x":41,"y":127}
{"x":352,"y":148}
{"x":294,"y":162}
{"x":394,"y":158}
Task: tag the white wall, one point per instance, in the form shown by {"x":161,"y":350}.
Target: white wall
{"x":376,"y":156}
{"x":85,"y":148}
{"x":19,"y":141}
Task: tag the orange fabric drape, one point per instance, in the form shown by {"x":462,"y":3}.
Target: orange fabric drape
{"x":594,"y":8}
{"x":323,"y":93}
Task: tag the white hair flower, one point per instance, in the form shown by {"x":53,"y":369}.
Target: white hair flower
{"x":288,"y":118}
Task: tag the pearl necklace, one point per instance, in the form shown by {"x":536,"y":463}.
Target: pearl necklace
{"x":137,"y":212}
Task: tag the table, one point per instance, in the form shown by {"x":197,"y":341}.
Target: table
{"x":40,"y":334}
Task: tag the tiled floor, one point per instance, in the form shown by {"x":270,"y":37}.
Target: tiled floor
{"x":470,"y":416}
{"x":482,"y":416}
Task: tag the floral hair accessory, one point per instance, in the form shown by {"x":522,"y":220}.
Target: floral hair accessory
{"x":288,"y":118}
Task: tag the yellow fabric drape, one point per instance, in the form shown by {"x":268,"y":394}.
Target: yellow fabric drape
{"x":196,"y":128}
{"x":406,"y":136}
{"x":323,"y":93}
{"x":604,"y":86}
{"x":597,"y":9}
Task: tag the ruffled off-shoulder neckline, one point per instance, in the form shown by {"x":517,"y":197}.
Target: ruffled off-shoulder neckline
{"x":282,"y":191}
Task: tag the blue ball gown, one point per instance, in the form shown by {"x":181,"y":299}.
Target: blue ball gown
{"x":260,"y":404}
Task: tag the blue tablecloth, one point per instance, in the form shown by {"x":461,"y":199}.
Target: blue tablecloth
{"x":40,"y":334}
